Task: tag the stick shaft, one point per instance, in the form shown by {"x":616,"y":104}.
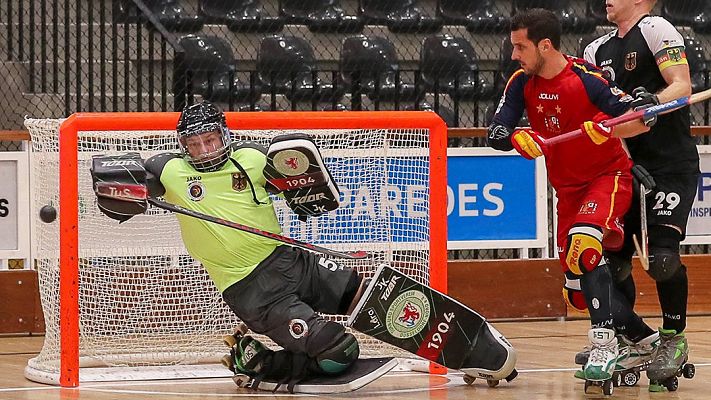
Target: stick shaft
{"x":234,"y":225}
{"x":647,"y":112}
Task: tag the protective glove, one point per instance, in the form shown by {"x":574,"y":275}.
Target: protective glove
{"x":643,"y":99}
{"x":528,"y":143}
{"x":597,"y":132}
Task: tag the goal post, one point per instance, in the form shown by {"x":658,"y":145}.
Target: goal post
{"x":405,"y":150}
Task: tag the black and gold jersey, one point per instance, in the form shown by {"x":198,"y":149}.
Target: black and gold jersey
{"x":637,"y":59}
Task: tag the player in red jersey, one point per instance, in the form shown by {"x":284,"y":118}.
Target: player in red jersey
{"x":591,"y":174}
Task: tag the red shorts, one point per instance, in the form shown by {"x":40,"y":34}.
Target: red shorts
{"x":603,"y":203}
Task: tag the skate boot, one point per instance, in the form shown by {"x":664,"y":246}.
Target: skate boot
{"x":669,"y":362}
{"x":634,"y":358}
{"x":601,"y":363}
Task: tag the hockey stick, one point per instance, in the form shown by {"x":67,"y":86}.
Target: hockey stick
{"x":642,"y":248}
{"x":358,"y":255}
{"x":640,"y":114}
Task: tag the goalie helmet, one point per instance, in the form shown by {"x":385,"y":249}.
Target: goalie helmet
{"x":204,"y":137}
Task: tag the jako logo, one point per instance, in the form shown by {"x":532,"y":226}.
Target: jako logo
{"x":548,"y":96}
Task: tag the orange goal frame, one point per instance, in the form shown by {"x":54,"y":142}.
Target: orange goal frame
{"x":69,"y":192}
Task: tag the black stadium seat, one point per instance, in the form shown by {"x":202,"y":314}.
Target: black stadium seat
{"x":403,"y":16}
{"x":698,"y":66}
{"x":596,"y":12}
{"x":450,"y":65}
{"x":174,"y":16}
{"x":506,"y":67}
{"x":286,"y":65}
{"x":570,"y":21}
{"x":372,"y":63}
{"x":320,"y":16}
{"x":240,"y":15}
{"x":682,"y":12}
{"x":702,"y":21}
{"x":693,"y":13}
{"x":211,"y":67}
{"x":479,"y":16}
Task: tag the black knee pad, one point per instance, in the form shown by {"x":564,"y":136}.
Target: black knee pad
{"x":664,"y":258}
{"x":620,"y":266}
{"x":340,"y":356}
{"x":324,"y":338}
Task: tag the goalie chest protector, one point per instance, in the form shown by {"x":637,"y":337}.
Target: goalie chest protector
{"x":295,"y":167}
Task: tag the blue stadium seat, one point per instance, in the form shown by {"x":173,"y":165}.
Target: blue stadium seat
{"x":240,"y":15}
{"x":320,"y":16}
{"x":286,"y":65}
{"x":698,"y":67}
{"x":478,"y":16}
{"x":570,"y":21}
{"x":212,"y":70}
{"x":401,"y":16}
{"x":450,"y":65}
{"x":372,"y":63}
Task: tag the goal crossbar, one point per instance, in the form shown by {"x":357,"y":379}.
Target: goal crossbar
{"x":86,"y":122}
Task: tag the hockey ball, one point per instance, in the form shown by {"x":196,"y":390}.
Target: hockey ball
{"x":48,"y":214}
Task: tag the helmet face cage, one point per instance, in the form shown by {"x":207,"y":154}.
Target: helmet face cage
{"x":196,"y":121}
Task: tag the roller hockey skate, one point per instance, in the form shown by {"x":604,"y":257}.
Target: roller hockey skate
{"x":670,"y":362}
{"x":632,"y":360}
{"x":245,"y":354}
{"x":600,"y":367}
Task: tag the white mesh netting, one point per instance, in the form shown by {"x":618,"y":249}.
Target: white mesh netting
{"x":145,"y":302}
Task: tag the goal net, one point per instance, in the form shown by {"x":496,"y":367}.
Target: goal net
{"x":126,"y":301}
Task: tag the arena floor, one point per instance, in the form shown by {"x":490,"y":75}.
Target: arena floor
{"x":546,"y":350}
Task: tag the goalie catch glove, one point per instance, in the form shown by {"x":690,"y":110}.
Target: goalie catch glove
{"x":296,"y":168}
{"x":119,"y":182}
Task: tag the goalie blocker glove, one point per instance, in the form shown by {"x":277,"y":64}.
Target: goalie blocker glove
{"x":296,"y":168}
{"x":119,"y":182}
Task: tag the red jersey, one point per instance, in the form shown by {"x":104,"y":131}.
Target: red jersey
{"x":561,"y":104}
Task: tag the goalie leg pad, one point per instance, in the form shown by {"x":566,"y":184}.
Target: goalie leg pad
{"x":295,"y":167}
{"x":584,"y":248}
{"x":119,"y":183}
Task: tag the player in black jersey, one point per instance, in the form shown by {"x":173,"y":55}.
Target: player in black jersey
{"x":648,"y":52}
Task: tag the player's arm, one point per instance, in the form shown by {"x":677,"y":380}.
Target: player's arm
{"x":612,"y":102}
{"x":667,"y":45}
{"x":502,"y":134}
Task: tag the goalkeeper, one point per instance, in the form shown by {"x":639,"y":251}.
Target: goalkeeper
{"x":275,"y":289}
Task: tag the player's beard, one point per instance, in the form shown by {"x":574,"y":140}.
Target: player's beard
{"x":538,"y":66}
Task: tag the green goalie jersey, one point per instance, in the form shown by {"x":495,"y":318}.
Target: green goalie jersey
{"x":227,"y":254}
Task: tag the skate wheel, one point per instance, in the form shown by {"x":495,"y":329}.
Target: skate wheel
{"x":616,"y":379}
{"x":241,"y":329}
{"x":228,"y":362}
{"x":588,"y":384}
{"x":229,"y":340}
{"x":672,"y":384}
{"x":512,"y":375}
{"x":492,"y":383}
{"x":689,"y":370}
{"x":469,"y":380}
{"x":630,"y":378}
{"x":241,"y":380}
{"x":608,"y":388}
